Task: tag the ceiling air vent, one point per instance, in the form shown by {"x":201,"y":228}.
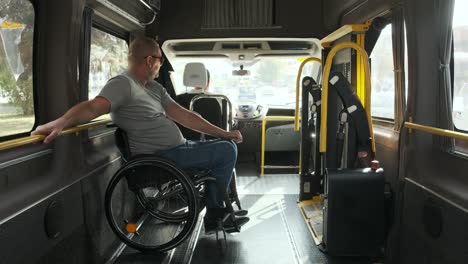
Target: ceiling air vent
{"x":230,"y":46}
{"x":288,"y":45}
{"x":193,"y":46}
{"x":253,"y":46}
{"x":224,"y":14}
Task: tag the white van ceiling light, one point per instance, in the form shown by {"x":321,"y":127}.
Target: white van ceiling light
{"x":156,"y":4}
{"x":152,"y":10}
{"x":108,"y":9}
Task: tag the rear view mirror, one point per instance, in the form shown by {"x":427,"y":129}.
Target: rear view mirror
{"x":240,"y":72}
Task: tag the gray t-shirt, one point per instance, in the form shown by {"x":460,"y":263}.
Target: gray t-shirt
{"x":140,"y":111}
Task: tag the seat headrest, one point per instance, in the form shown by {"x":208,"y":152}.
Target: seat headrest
{"x":195,"y":75}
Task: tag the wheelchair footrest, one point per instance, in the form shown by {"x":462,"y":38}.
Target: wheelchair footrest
{"x":241,"y":212}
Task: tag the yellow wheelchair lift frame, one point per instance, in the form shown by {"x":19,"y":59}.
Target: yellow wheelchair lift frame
{"x":311,"y":209}
{"x":367,"y":92}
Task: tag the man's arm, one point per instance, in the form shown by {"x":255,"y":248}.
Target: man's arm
{"x":195,"y":122}
{"x":78,"y":114}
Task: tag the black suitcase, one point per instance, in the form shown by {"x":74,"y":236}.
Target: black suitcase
{"x":353,"y":213}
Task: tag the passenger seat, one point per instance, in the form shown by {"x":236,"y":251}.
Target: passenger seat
{"x":195,"y":75}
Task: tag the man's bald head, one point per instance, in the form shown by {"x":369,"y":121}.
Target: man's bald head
{"x":141,"y":48}
{"x":144,"y":58}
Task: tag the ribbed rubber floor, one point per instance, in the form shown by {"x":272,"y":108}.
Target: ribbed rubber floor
{"x":275,"y":234}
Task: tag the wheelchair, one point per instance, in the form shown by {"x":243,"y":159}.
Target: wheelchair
{"x":153,"y":206}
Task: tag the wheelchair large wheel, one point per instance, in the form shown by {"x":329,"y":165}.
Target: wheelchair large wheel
{"x":151,"y":205}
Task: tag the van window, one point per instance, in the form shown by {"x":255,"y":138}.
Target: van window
{"x":460,"y":85}
{"x":382,"y":76}
{"x":16,"y":67}
{"x":108,"y":58}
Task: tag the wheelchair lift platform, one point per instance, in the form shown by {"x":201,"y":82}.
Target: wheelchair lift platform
{"x":311,"y":210}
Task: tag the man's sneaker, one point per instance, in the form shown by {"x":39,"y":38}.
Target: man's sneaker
{"x":231,"y":227}
{"x":241,"y":212}
{"x":216,"y":219}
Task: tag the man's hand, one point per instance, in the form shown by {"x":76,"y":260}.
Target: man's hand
{"x":195,"y":122}
{"x":51,"y":130}
{"x":234,"y":135}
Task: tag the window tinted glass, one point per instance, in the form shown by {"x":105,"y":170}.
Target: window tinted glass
{"x":460,"y":86}
{"x":108,"y":57}
{"x":16,"y":67}
{"x":383,"y":79}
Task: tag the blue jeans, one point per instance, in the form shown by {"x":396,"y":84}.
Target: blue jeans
{"x":217,"y":155}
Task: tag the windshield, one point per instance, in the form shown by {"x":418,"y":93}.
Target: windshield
{"x":272,"y":81}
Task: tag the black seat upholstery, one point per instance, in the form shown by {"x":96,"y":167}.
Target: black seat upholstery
{"x":208,"y":108}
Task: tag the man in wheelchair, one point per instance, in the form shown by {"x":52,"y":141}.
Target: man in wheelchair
{"x":145,"y":111}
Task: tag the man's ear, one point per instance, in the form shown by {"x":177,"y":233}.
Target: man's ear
{"x":148,"y":62}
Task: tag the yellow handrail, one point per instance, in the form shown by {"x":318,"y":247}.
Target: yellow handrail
{"x":265,"y":120}
{"x":326,"y":76}
{"x":298,"y":80}
{"x":343,"y":31}
{"x":360,"y":76}
{"x":39,"y":138}
{"x":437,"y":131}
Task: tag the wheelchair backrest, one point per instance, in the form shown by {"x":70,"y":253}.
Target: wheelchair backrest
{"x":121,"y":140}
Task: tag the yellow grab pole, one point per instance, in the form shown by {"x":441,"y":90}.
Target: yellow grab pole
{"x":326,"y":76}
{"x":39,"y":138}
{"x":437,"y":131}
{"x":298,"y":80}
{"x":360,"y":83}
{"x":21,"y":142}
